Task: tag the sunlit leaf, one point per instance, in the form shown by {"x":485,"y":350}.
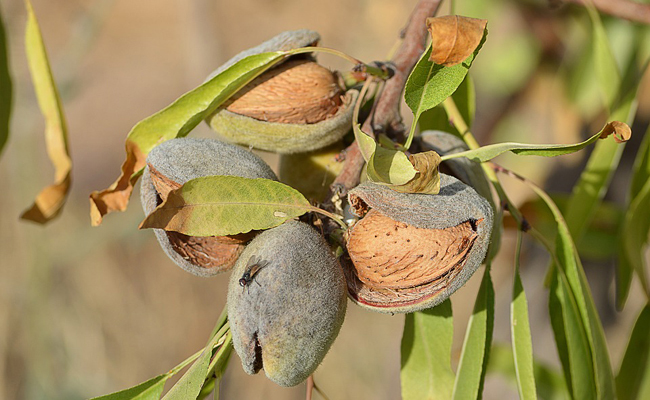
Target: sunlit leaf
{"x":633,"y":379}
{"x":491,"y":151}
{"x":5,"y":87}
{"x":149,"y":390}
{"x":177,"y":120}
{"x":189,"y":386}
{"x":390,"y":166}
{"x":50,"y":200}
{"x":227,"y":205}
{"x":578,"y":331}
{"x":478,"y":341}
{"x":454,"y":38}
{"x":522,"y":346}
{"x":426,"y":354}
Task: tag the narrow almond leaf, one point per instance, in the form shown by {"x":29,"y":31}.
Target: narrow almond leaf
{"x":391,"y":167}
{"x":176,"y":120}
{"x":454,"y":38}
{"x":50,"y":200}
{"x":633,"y":379}
{"x":550,"y":383}
{"x":436,"y":119}
{"x":579,"y":333}
{"x":476,"y":347}
{"x":429,"y":84}
{"x":522,"y":345}
{"x":491,"y":151}
{"x":6,"y":88}
{"x":609,"y":76}
{"x":426,"y":354}
{"x":227,"y":205}
{"x":571,"y":339}
{"x":189,"y":386}
{"x":633,"y":235}
{"x":149,"y":390}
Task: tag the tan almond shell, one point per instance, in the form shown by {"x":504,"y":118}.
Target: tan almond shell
{"x":179,"y":160}
{"x":457,"y":224}
{"x":281,"y":137}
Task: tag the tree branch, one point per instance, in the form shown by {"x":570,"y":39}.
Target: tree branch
{"x":386,"y":117}
{"x":626,"y":9}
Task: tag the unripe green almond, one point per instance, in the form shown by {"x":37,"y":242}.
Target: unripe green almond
{"x":289,"y":310}
{"x":174,"y":162}
{"x":316,"y":94}
{"x":410,"y":251}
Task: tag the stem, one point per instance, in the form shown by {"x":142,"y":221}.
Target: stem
{"x":332,"y":216}
{"x":386,"y":116}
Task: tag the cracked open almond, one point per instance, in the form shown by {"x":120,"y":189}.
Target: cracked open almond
{"x":173,"y":163}
{"x":412,"y":251}
{"x":296,"y":106}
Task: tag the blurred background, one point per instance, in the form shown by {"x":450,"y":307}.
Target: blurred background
{"x":87,"y":311}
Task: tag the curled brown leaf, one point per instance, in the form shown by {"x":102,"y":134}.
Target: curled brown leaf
{"x":116,"y":197}
{"x":454,"y":38}
{"x":620,"y":130}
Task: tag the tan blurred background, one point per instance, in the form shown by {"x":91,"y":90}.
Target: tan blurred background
{"x":86,"y":311}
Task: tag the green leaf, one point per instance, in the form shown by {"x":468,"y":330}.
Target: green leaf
{"x":227,"y":205}
{"x":437,"y":119}
{"x":426,"y":354}
{"x":633,"y":235}
{"x":550,"y":383}
{"x":609,"y":76}
{"x":571,"y":339}
{"x":5,"y":87}
{"x":522,"y":345}
{"x":633,"y":379}
{"x":149,"y":390}
{"x":49,"y":202}
{"x":189,"y":386}
{"x":478,"y":341}
{"x":491,"y":151}
{"x":176,"y":120}
{"x":390,"y":167}
{"x":429,"y":84}
{"x":578,"y":331}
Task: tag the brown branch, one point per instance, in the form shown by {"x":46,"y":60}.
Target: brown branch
{"x":386,"y":117}
{"x":626,"y":9}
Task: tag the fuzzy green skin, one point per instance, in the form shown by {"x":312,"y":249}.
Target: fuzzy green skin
{"x":187,"y":158}
{"x":287,"y":40}
{"x":456,"y":203}
{"x":468,"y":171}
{"x":296,"y":304}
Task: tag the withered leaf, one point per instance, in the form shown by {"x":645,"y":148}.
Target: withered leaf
{"x":50,"y":200}
{"x":620,"y":130}
{"x":454,"y":38}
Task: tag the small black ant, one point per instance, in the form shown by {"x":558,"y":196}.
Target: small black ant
{"x":254,"y":266}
